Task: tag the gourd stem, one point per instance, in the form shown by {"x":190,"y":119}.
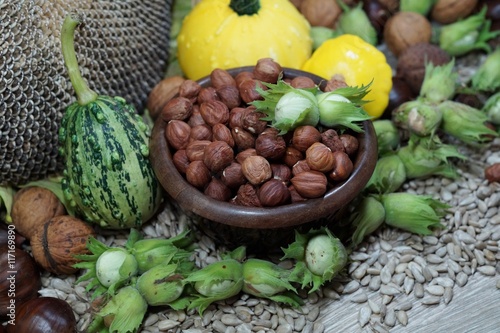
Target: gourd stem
{"x":245,"y":7}
{"x":84,"y":94}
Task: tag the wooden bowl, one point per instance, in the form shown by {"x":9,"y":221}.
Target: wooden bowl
{"x":236,"y":225}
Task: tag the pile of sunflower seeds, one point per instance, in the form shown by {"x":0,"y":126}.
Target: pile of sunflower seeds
{"x":389,"y":274}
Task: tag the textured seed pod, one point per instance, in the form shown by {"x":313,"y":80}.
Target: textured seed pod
{"x":122,"y":50}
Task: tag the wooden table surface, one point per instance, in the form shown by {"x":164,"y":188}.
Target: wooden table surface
{"x":475,"y":308}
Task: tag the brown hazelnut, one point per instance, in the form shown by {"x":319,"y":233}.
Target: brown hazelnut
{"x":310,"y":184}
{"x":200,"y":132}
{"x":55,"y":244}
{"x":319,"y":157}
{"x":252,"y":121}
{"x":229,"y":95}
{"x":248,"y":90}
{"x":267,"y":70}
{"x":256,"y":169}
{"x":243,"y":76}
{"x":350,"y":142}
{"x":247,"y":196}
{"x":217,"y":190}
{"x":196,"y":118}
{"x":300,"y":82}
{"x":222,"y":133}
{"x":197,"y":174}
{"x":292,"y":156}
{"x":207,"y":94}
{"x":236,"y":117}
{"x":305,"y":136}
{"x":180,"y":160}
{"x":336,"y":81}
{"x":321,"y":13}
{"x":218,"y":155}
{"x":32,"y":207}
{"x":412,"y":62}
{"x":179,"y":108}
{"x":214,"y":112}
{"x":404,"y":29}
{"x":232,"y":176}
{"x":242,"y":155}
{"x":294,"y":195}
{"x":449,"y":11}
{"x":492,"y":173}
{"x":162,"y":92}
{"x":281,"y":172}
{"x":189,"y":89}
{"x":273,"y":193}
{"x":242,"y":138}
{"x":270,"y":144}
{"x":177,"y":133}
{"x":343,"y":167}
{"x":220,"y":77}
{"x":300,"y":166}
{"x":331,"y":139}
{"x":195,"y":150}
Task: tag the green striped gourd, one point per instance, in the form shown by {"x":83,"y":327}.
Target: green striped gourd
{"x":108,"y":176}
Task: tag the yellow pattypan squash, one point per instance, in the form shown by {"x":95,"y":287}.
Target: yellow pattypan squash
{"x":233,"y":33}
{"x":359,"y":63}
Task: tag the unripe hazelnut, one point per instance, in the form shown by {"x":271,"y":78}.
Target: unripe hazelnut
{"x":222,"y":133}
{"x":214,"y":112}
{"x":221,"y":77}
{"x":197,"y":174}
{"x":343,"y":167}
{"x":179,"y":108}
{"x":177,"y":133}
{"x":319,"y":157}
{"x":256,"y":169}
{"x":218,"y":155}
{"x":242,"y":138}
{"x":270,"y":145}
{"x":267,"y":70}
{"x":180,"y":160}
{"x":217,"y":190}
{"x":232,"y":176}
{"x":310,"y":184}
{"x":195,"y":150}
{"x":273,"y":193}
{"x":305,"y":136}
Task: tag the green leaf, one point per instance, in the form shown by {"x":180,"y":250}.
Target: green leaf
{"x":6,"y":199}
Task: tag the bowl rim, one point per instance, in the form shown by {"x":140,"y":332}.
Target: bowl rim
{"x":193,"y":200}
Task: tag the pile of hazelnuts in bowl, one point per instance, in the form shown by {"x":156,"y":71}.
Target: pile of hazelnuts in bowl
{"x":218,"y":157}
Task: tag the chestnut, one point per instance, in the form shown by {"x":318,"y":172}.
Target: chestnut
{"x":24,"y":273}
{"x":42,"y":315}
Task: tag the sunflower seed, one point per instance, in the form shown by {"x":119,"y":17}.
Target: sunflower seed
{"x":402,"y":317}
{"x":431,"y":300}
{"x":487,"y":270}
{"x":364,"y":315}
{"x":390,"y":318}
{"x":435,"y":290}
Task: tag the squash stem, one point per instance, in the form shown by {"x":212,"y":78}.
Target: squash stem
{"x":245,"y":7}
{"x":84,"y":94}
